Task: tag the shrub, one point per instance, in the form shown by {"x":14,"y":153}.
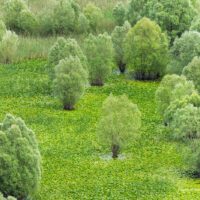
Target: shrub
{"x":99,"y":52}
{"x":19,"y":18}
{"x":119,"y":13}
{"x":8,"y":198}
{"x":70,"y":81}
{"x":172,"y":87}
{"x":64,"y":17}
{"x":146,"y":50}
{"x":118,"y":37}
{"x":183,"y":51}
{"x":195,"y":26}
{"x":119,"y":123}
{"x":94,"y":15}
{"x":175,"y":17}
{"x":8,"y":47}
{"x":193,"y":99}
{"x":186,"y":123}
{"x":20,"y":170}
{"x":136,"y":10}
{"x":62,"y":49}
{"x":192,"y":72}
{"x":83,"y":24}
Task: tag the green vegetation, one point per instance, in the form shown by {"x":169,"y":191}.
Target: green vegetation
{"x":119,"y":123}
{"x":19,"y":159}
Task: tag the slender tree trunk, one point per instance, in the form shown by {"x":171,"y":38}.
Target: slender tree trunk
{"x":68,"y":107}
{"x":122,"y":67}
{"x":115,"y":151}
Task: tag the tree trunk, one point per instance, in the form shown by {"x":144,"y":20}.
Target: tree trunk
{"x":122,"y":67}
{"x":68,"y":107}
{"x":97,"y":82}
{"x":115,"y":151}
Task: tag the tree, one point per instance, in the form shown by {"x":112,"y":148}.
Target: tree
{"x":119,"y":13}
{"x":172,"y":87}
{"x":146,"y":50}
{"x":119,"y":123}
{"x":19,"y":18}
{"x":70,"y":81}
{"x":99,"y":52}
{"x":186,"y":123}
{"x":192,"y":72}
{"x":193,"y":99}
{"x":183,"y":51}
{"x":118,"y":37}
{"x":175,"y":17}
{"x":136,"y":10}
{"x":64,"y":17}
{"x":20,"y":160}
{"x":83,"y":24}
{"x":62,"y":49}
{"x":94,"y":15}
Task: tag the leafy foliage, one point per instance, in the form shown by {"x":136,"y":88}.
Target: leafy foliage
{"x":94,"y":15}
{"x":146,"y":50}
{"x":8,"y":198}
{"x":195,"y":26}
{"x":70,"y":81}
{"x":19,"y":159}
{"x":183,"y":51}
{"x":62,"y":49}
{"x":119,"y":122}
{"x":118,"y":37}
{"x":192,"y":72}
{"x":172,"y":87}
{"x":119,"y":13}
{"x":99,"y":52}
{"x":83,"y":24}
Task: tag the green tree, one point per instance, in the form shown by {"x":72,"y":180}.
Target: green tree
{"x":20,"y":160}
{"x":99,"y":52}
{"x":192,"y":72}
{"x":195,"y":26}
{"x":146,"y":50}
{"x":62,"y":49}
{"x":172,"y":87}
{"x":83,"y":24}
{"x":183,"y":51}
{"x":118,"y":37}
{"x":70,"y":81}
{"x":119,"y":123}
{"x":175,"y":17}
{"x":94,"y":15}
{"x":119,"y":13}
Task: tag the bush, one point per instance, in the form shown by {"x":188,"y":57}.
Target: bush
{"x":183,"y":51}
{"x":195,"y":26}
{"x":19,"y":18}
{"x":62,"y":49}
{"x":193,"y":99}
{"x":192,"y":72}
{"x":186,"y":123}
{"x":64,"y":17}
{"x":119,"y":123}
{"x":119,"y":13}
{"x":20,"y":170}
{"x":172,"y":87}
{"x":8,"y":47}
{"x":8,"y":198}
{"x":99,"y":52}
{"x":94,"y":15}
{"x":118,"y":37}
{"x":146,"y":50}
{"x":70,"y":81}
{"x":175,"y":17}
